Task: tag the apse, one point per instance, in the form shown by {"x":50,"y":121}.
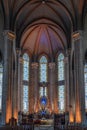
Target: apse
{"x":43,"y":38}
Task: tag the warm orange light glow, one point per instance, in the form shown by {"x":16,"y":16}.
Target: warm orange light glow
{"x":8,"y":112}
{"x":11,"y":35}
{"x":76,"y":35}
{"x":36,"y":110}
{"x":78,"y":115}
{"x":71,"y":117}
{"x":37,"y":107}
{"x":15,"y":114}
{"x":55,"y":107}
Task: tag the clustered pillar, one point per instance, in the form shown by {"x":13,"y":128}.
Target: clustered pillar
{"x":71,"y":89}
{"x":8,"y":80}
{"x":34,"y":89}
{"x":18,"y":77}
{"x":79,"y":77}
{"x":52,"y":89}
{"x":66,"y":62}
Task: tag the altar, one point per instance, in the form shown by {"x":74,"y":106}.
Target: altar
{"x":43,"y":119}
{"x":44,"y":127}
{"x":44,"y":124}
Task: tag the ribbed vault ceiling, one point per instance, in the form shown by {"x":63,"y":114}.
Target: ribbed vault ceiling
{"x":43,"y":26}
{"x":44,"y":38}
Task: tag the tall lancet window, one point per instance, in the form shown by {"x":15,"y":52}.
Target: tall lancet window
{"x":25,"y":83}
{"x":1,"y":78}
{"x":85,"y":83}
{"x":61,"y":87}
{"x":43,"y":76}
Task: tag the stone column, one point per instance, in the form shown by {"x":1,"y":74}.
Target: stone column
{"x":66,"y":70}
{"x":34,"y":89}
{"x":17,"y":88}
{"x":70,"y":88}
{"x":8,"y":83}
{"x":79,"y":77}
{"x":20,"y":84}
{"x":52,"y":89}
{"x":66,"y":63}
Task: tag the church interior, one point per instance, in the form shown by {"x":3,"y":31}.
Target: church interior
{"x":43,"y":64}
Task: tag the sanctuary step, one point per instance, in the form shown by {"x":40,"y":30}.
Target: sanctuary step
{"x":24,"y":127}
{"x":44,"y":127}
{"x":11,"y":128}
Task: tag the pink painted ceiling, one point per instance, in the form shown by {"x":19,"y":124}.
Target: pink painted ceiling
{"x":43,"y":38}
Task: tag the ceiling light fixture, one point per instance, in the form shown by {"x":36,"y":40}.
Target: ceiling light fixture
{"x":43,"y":1}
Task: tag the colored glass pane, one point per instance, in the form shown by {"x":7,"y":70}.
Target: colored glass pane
{"x":60,"y":67}
{"x":43,"y":91}
{"x":25,"y":78}
{"x":25,"y":98}
{"x":25,"y":67}
{"x":43,"y":69}
{"x":61,"y":88}
{"x":61,"y":97}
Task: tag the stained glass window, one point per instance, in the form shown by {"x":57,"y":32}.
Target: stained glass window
{"x":1,"y":76}
{"x":61,"y":87}
{"x":43,"y":75}
{"x":85,"y":83}
{"x":60,"y":67}
{"x":25,"y":82}
{"x":25,"y":67}
{"x":61,"y":98}
{"x":25,"y":98}
{"x":43,"y":91}
{"x":43,"y":69}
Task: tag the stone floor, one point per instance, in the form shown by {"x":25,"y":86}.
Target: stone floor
{"x":27,"y":127}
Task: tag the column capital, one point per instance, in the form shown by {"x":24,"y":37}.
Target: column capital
{"x":10,"y":35}
{"x":66,"y":59}
{"x":68,"y":52}
{"x":21,"y":59}
{"x":51,"y":65}
{"x":77,"y":35}
{"x":34,"y":65}
{"x":18,"y":51}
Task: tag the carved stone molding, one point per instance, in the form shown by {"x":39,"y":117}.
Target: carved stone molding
{"x":10,"y":35}
{"x":34,"y":65}
{"x":18,"y":51}
{"x":52,"y":65}
{"x":66,"y":59}
{"x":21,"y":60}
{"x":77,"y":35}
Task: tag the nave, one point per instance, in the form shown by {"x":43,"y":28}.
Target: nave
{"x":43,"y":64}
